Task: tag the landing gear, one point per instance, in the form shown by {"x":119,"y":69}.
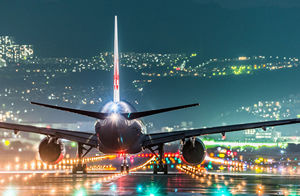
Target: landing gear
{"x":80,"y":166}
{"x":124,"y":168}
{"x":124,"y":165}
{"x":160,"y":167}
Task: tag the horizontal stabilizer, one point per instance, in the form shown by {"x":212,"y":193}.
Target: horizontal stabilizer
{"x":97,"y":115}
{"x":135,"y":115}
{"x":129,"y":116}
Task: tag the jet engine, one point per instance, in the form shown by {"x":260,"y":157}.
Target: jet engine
{"x":193,"y":151}
{"x":51,"y":150}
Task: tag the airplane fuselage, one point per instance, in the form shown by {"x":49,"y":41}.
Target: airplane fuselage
{"x":116,"y":134}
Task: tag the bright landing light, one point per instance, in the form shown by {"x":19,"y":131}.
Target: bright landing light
{"x":114,"y":107}
{"x":114,"y":116}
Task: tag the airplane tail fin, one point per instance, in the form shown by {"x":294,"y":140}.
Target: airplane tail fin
{"x":116,"y":99}
{"x":116,"y":64}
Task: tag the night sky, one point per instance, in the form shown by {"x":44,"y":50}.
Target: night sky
{"x":214,"y":28}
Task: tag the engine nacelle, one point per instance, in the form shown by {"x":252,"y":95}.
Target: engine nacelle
{"x":193,"y":154}
{"x":51,"y":150}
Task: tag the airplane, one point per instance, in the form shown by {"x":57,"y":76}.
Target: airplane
{"x":118,"y":129}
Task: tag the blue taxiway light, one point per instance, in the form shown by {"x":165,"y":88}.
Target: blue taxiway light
{"x":139,"y":188}
{"x":113,"y":187}
{"x":97,"y":187}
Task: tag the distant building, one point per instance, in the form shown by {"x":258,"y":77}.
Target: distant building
{"x":167,"y":129}
{"x":290,"y":139}
{"x":257,"y":135}
{"x":12,"y":52}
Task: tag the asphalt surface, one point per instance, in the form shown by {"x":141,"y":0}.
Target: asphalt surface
{"x":143,"y":183}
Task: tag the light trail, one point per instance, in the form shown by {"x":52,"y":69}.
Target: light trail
{"x":143,"y":165}
{"x":240,"y":166}
{"x":211,"y":180}
{"x":243,"y":144}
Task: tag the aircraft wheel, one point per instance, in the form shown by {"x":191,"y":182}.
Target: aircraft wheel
{"x":127,"y":169}
{"x":84,"y":169}
{"x":74,"y":170}
{"x":165,"y":169}
{"x":155,"y":169}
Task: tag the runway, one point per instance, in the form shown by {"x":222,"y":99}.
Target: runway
{"x":145,"y":183}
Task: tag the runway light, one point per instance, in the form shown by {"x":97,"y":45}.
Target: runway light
{"x":139,"y":189}
{"x":10,"y":191}
{"x":113,"y":187}
{"x":97,"y":187}
{"x":67,"y":188}
{"x":6,"y":142}
{"x":53,"y":191}
{"x":80,"y":192}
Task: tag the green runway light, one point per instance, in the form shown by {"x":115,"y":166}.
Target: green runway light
{"x":152,"y":189}
{"x":223,"y":191}
{"x":139,"y":189}
{"x":80,"y":192}
{"x":97,"y":187}
{"x":113,"y":187}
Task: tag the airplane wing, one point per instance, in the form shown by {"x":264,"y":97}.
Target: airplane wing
{"x":89,"y":139}
{"x":161,"y":138}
